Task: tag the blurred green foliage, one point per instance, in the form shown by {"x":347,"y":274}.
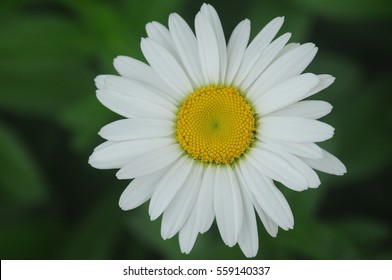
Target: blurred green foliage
{"x":53,"y":205}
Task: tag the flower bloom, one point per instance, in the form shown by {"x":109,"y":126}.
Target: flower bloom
{"x":210,"y":126}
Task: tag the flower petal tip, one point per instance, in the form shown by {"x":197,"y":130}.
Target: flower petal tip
{"x":342,"y":170}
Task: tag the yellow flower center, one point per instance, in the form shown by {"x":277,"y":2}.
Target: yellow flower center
{"x":216,"y":124}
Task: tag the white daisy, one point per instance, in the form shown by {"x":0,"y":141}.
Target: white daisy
{"x":210,"y":126}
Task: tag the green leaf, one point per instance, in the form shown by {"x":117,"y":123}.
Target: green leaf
{"x":21,"y":178}
{"x":312,"y":240}
{"x":42,"y":86}
{"x":155,"y":12}
{"x":349,"y":9}
{"x":298,"y":22}
{"x":96,"y":234}
{"x":30,"y":239}
{"x":369,"y":121}
{"x":44,"y":65}
{"x":84,"y":119}
{"x":364,"y":231}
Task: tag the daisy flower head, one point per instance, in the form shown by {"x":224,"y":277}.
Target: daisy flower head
{"x":210,"y":126}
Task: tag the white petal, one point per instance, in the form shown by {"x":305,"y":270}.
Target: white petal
{"x":140,"y":190}
{"x":120,"y":153}
{"x":115,"y":103}
{"x":228,"y":205}
{"x":169,"y":185}
{"x":186,"y":46}
{"x":205,"y":201}
{"x":267,"y":195}
{"x":256,"y":48}
{"x":289,"y":65}
{"x":132,"y":68}
{"x":268,"y":54}
{"x":276,"y":168}
{"x":328,"y":164}
{"x":311,"y":109}
{"x":179,"y":209}
{"x":188,"y":233}
{"x":289,"y":47}
{"x":143,"y":73}
{"x":130,"y":107}
{"x":270,"y":226}
{"x":295,"y":129}
{"x":159,"y":33}
{"x":236,"y":49}
{"x":211,"y":14}
{"x":307,"y":150}
{"x":130,"y":129}
{"x":139,"y":90}
{"x":285,"y":93}
{"x":248,"y":239}
{"x":99,"y":81}
{"x":104,"y":145}
{"x":150,"y":162}
{"x":308,"y":173}
{"x":324,"y":82}
{"x":166,"y":67}
{"x":208,"y":49}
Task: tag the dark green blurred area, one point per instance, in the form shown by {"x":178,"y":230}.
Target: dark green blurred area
{"x":53,"y":205}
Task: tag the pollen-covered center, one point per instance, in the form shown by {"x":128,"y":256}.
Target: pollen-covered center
{"x":215,"y":124}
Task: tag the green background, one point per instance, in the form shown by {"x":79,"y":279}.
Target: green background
{"x":53,"y":205}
